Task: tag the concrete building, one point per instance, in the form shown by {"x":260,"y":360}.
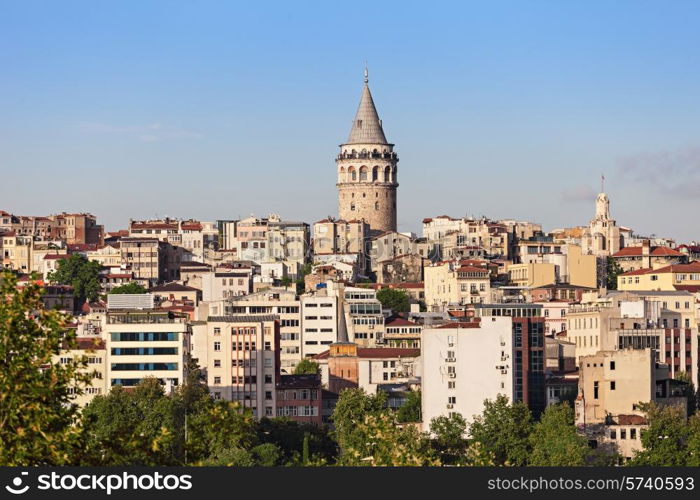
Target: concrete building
{"x":336,"y":238}
{"x":647,"y":257}
{"x":674,"y":277}
{"x":533,"y":275}
{"x":93,"y":351}
{"x":666,"y":322}
{"x":612,"y":385}
{"x":451,"y":283}
{"x":402,"y":333}
{"x":367,"y":170}
{"x":225,"y":284}
{"x":289,"y":242}
{"x":299,"y":397}
{"x":145,"y":343}
{"x":242,"y":360}
{"x":500,"y":352}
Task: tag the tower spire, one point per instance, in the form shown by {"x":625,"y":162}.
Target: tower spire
{"x":366,"y":74}
{"x":602,"y":183}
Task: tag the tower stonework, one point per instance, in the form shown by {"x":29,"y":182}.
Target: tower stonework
{"x":367,"y":170}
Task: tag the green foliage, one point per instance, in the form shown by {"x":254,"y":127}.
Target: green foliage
{"x":554,"y":440}
{"x":613,"y":270}
{"x":502,"y":431}
{"x":285,"y":281}
{"x":411,"y":409}
{"x":131,"y":287}
{"x":307,"y":367}
{"x":449,"y":439}
{"x":300,"y":279}
{"x":669,"y":440}
{"x":80,"y":273}
{"x":395,"y":299}
{"x":300,"y":444}
{"x":350,"y":411}
{"x":36,"y":409}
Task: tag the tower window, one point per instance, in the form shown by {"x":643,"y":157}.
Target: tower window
{"x":352,"y":206}
{"x":376,"y":205}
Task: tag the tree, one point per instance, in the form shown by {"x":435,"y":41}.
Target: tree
{"x":37,"y":415}
{"x":665,"y":441}
{"x":300,"y":443}
{"x":395,"y":299}
{"x":301,"y":284}
{"x":449,"y":439}
{"x":613,"y":270}
{"x":80,"y":273}
{"x":131,"y":287}
{"x":307,"y":367}
{"x":410,"y":411}
{"x":502,"y":431}
{"x":350,"y":411}
{"x":554,"y":440}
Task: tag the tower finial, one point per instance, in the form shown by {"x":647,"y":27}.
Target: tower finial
{"x":366,"y":73}
{"x":602,"y":183}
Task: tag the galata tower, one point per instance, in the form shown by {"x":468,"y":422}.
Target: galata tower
{"x":367,"y":170}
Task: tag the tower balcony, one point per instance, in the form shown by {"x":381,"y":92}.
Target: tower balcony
{"x":368,"y":156}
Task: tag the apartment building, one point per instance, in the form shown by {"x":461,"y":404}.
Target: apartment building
{"x":402,"y":333}
{"x":243,"y":360}
{"x":366,"y":325}
{"x":225,"y":284}
{"x":646,"y":256}
{"x":144,"y":343}
{"x":299,"y":398}
{"x":93,"y":351}
{"x":499,"y":352}
{"x":664,"y":321}
{"x":151,"y":260}
{"x":612,"y":385}
{"x":289,"y":242}
{"x":668,"y":278}
{"x":454,"y":283}
{"x":281,"y":303}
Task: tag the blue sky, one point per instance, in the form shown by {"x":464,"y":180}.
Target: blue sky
{"x":222,"y":109}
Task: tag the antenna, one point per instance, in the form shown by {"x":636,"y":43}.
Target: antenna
{"x":366,"y":73}
{"x":602,"y":183}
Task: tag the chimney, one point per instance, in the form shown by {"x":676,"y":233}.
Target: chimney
{"x":646,"y":254}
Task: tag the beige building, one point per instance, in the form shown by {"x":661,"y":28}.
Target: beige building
{"x":612,"y":386}
{"x":92,"y":350}
{"x":107,"y":255}
{"x":242,"y":360}
{"x":669,"y":278}
{"x":450,"y":283}
{"x":663,"y":321}
{"x":532,"y":275}
{"x":367,"y":170}
{"x":288,"y":242}
{"x":632,"y":258}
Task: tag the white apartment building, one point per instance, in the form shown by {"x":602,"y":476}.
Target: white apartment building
{"x":366,"y":325}
{"x":464,"y":364}
{"x":288,"y":242}
{"x":145,"y":343}
{"x":221,"y":285}
{"x":319,"y":316}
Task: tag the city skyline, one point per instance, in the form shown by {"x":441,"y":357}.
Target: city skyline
{"x":168,"y":112}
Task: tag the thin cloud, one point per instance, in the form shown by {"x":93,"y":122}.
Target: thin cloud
{"x":152,"y":132}
{"x":674,"y":173}
{"x":578,"y":194}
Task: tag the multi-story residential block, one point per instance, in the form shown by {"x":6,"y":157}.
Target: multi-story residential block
{"x":402,"y":333}
{"x":612,"y":386}
{"x":151,"y":260}
{"x":289,"y":242}
{"x":341,"y":237}
{"x":504,"y":354}
{"x":533,"y":275}
{"x":451,"y":283}
{"x":144,"y":342}
{"x":242,"y":360}
{"x":674,"y":277}
{"x":16,"y":251}
{"x":225,"y":284}
{"x":108,"y":255}
{"x":366,"y":325}
{"x":299,"y":397}
{"x":555,"y":312}
{"x":319,"y":317}
{"x":93,"y":352}
{"x":663,"y":321}
{"x":647,"y":257}
{"x":279,"y":302}
{"x":400,"y":269}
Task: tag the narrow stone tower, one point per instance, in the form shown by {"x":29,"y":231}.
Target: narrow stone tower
{"x":367,"y":170}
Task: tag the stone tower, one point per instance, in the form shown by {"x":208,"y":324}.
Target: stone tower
{"x":367,"y":170}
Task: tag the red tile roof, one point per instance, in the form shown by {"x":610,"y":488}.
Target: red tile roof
{"x":378,"y":353}
{"x":630,"y":420}
{"x":399,"y":322}
{"x":461,"y":324}
{"x":653,"y":251}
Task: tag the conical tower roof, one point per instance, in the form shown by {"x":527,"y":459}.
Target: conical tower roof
{"x":367,"y":127}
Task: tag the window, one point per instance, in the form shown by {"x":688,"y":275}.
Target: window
{"x":612,"y":385}
{"x":217,"y":346}
{"x":451,"y":384}
{"x":217,"y":331}
{"x":217,"y":363}
{"x":217,"y":380}
{"x":613,"y":434}
{"x":595,"y":390}
{"x":623,"y":433}
{"x":612,"y":365}
{"x":633,"y":433}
